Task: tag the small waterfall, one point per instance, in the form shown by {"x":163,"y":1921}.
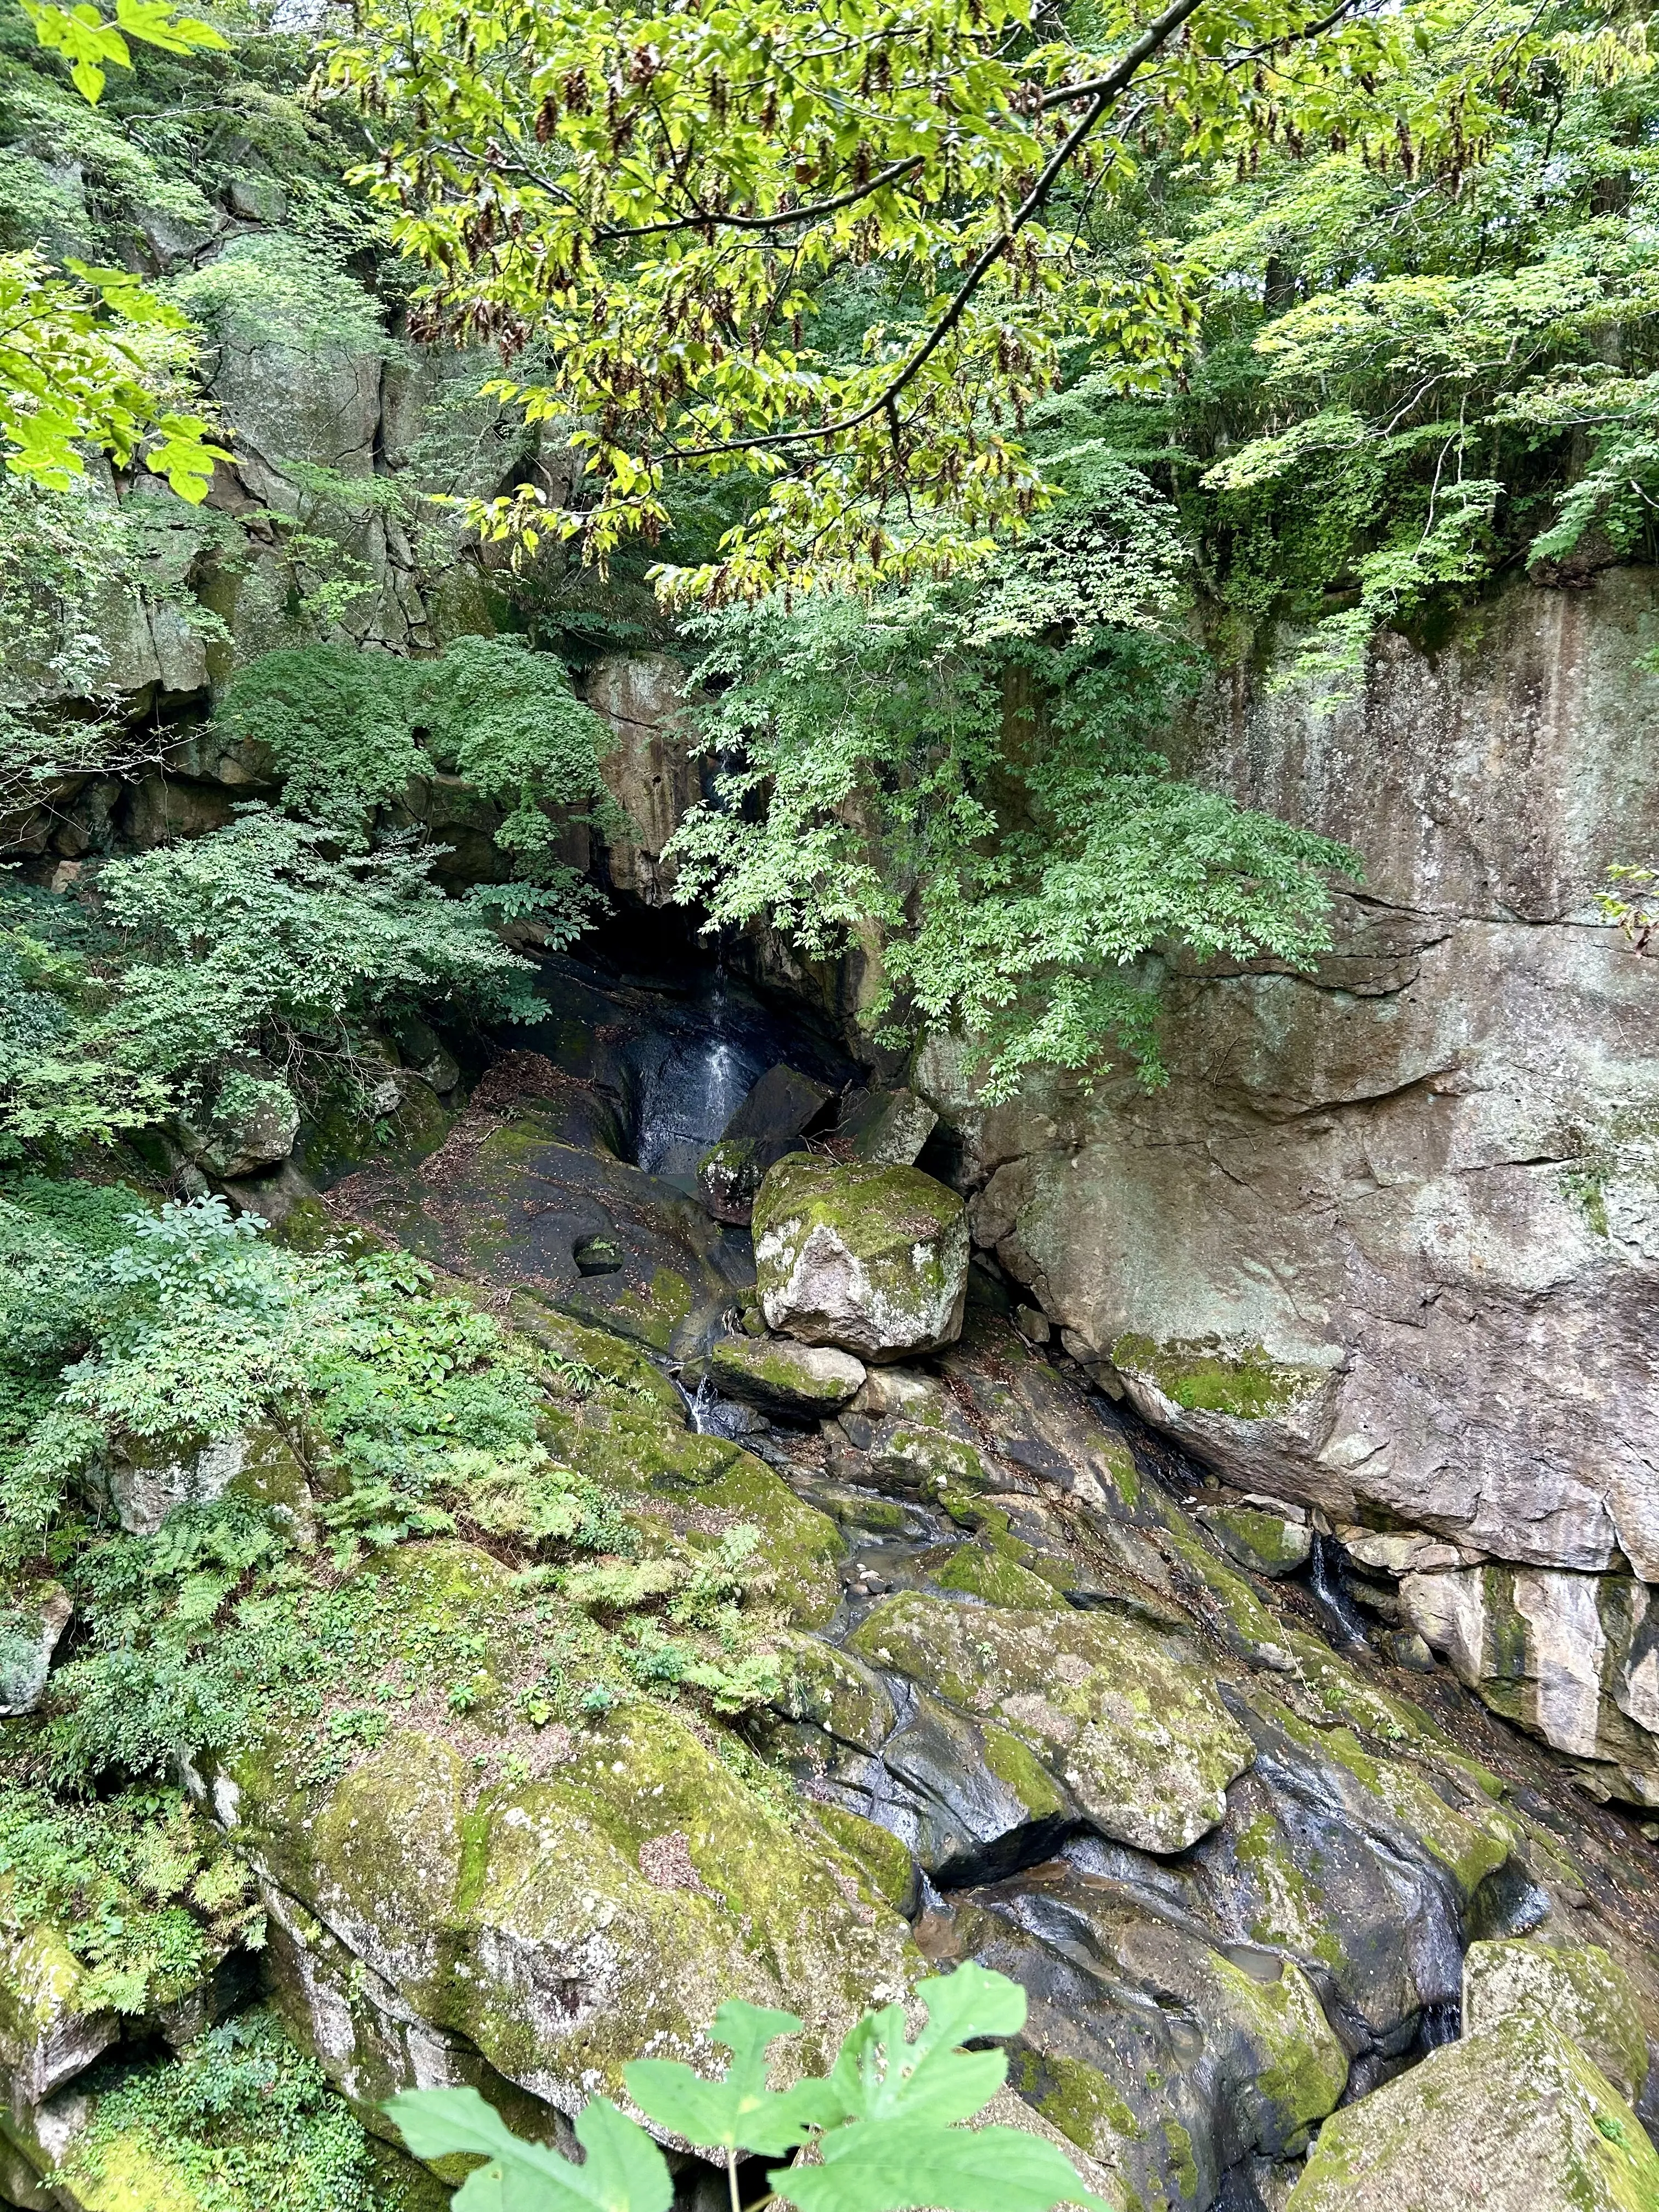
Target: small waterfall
{"x":1325,"y":1581}
{"x":711,"y":1415}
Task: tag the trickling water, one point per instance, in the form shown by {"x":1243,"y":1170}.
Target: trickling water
{"x":711,"y":1415}
{"x":1341,"y":1616}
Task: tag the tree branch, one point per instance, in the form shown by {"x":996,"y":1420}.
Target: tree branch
{"x":1156,"y":35}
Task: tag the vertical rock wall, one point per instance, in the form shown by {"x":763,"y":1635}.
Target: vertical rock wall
{"x":1388,"y":1243}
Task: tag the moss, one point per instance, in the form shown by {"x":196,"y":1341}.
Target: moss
{"x":607,"y":1354}
{"x":885,"y":1862}
{"x":651,"y":1313}
{"x":1016,"y":1765}
{"x":1514,"y":2111}
{"x":1579,"y":1988}
{"x":1343,"y":1691}
{"x":983,"y":1570}
{"x":1302,"y":2068}
{"x":1265,"y":1542}
{"x":1077,"y":2098}
{"x":1119,"y":1717}
{"x":1204,"y":1377}
{"x":1183,"y":2165}
{"x":1245,"y":1621}
{"x":931,"y":1461}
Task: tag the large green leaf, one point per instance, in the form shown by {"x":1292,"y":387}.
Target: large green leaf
{"x":878,"y":2075}
{"x":623,"y":2171}
{"x":887,"y":2165}
{"x":737,"y":2112}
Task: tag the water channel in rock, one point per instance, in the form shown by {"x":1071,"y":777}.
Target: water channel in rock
{"x":1266,"y":1915}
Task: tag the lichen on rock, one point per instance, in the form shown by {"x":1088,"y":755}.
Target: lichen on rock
{"x":872,"y":1258}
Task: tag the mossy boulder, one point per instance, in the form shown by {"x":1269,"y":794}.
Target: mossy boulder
{"x":796,"y":1381}
{"x":696,"y":1487}
{"x":1514,"y":2118}
{"x":1468,"y":1845}
{"x":1118,"y":1721}
{"x":564,"y":1925}
{"x":141,"y":1483}
{"x":1577,"y":1987}
{"x":47,"y":2035}
{"x":1265,"y":1543}
{"x":872,"y":1258}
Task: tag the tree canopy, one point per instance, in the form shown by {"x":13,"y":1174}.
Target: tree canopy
{"x":845,"y":248}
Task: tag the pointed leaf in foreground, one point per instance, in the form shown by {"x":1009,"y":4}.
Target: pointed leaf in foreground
{"x":624,"y":2170}
{"x":898,"y":2166}
{"x":737,"y":2112}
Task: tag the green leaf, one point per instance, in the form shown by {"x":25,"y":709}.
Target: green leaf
{"x":623,"y":2171}
{"x":737,"y":2112}
{"x":878,"y":2075}
{"x":886,"y":2166}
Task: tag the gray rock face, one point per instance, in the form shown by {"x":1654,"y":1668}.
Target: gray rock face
{"x":1392,"y":1233}
{"x":874,"y":1260}
{"x":1571,"y":1657}
{"x":649,"y":770}
{"x":888,"y":1128}
{"x":32,"y":1620}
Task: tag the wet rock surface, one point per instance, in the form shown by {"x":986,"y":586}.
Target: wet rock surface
{"x":1024,"y":1686}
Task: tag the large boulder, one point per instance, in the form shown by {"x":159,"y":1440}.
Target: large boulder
{"x":557,"y":1901}
{"x":872,"y":1258}
{"x":1579,"y":1988}
{"x":887,"y":1128}
{"x":1514,"y":2118}
{"x":1078,"y":1714}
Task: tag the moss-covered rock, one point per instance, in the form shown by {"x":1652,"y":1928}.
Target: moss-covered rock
{"x":1514,"y":2118}
{"x":47,"y":2032}
{"x":795,"y":1380}
{"x":728,"y":1176}
{"x":1212,"y":1377}
{"x":882,"y":1857}
{"x":872,"y":1258}
{"x":696,"y":1487}
{"x":1265,"y":1543}
{"x":931,"y":1461}
{"x":1117,"y":1719}
{"x":1579,"y":1988}
{"x":564,"y":1925}
{"x":141,"y":1483}
{"x":984,"y":1569}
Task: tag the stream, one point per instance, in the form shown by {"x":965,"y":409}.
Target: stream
{"x":1203,"y":1985}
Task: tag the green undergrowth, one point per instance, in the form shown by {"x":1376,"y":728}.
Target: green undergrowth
{"x":146,"y":1894}
{"x":376,"y":1409}
{"x":241,"y":2121}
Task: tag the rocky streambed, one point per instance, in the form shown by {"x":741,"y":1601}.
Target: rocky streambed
{"x":953,"y":1658}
